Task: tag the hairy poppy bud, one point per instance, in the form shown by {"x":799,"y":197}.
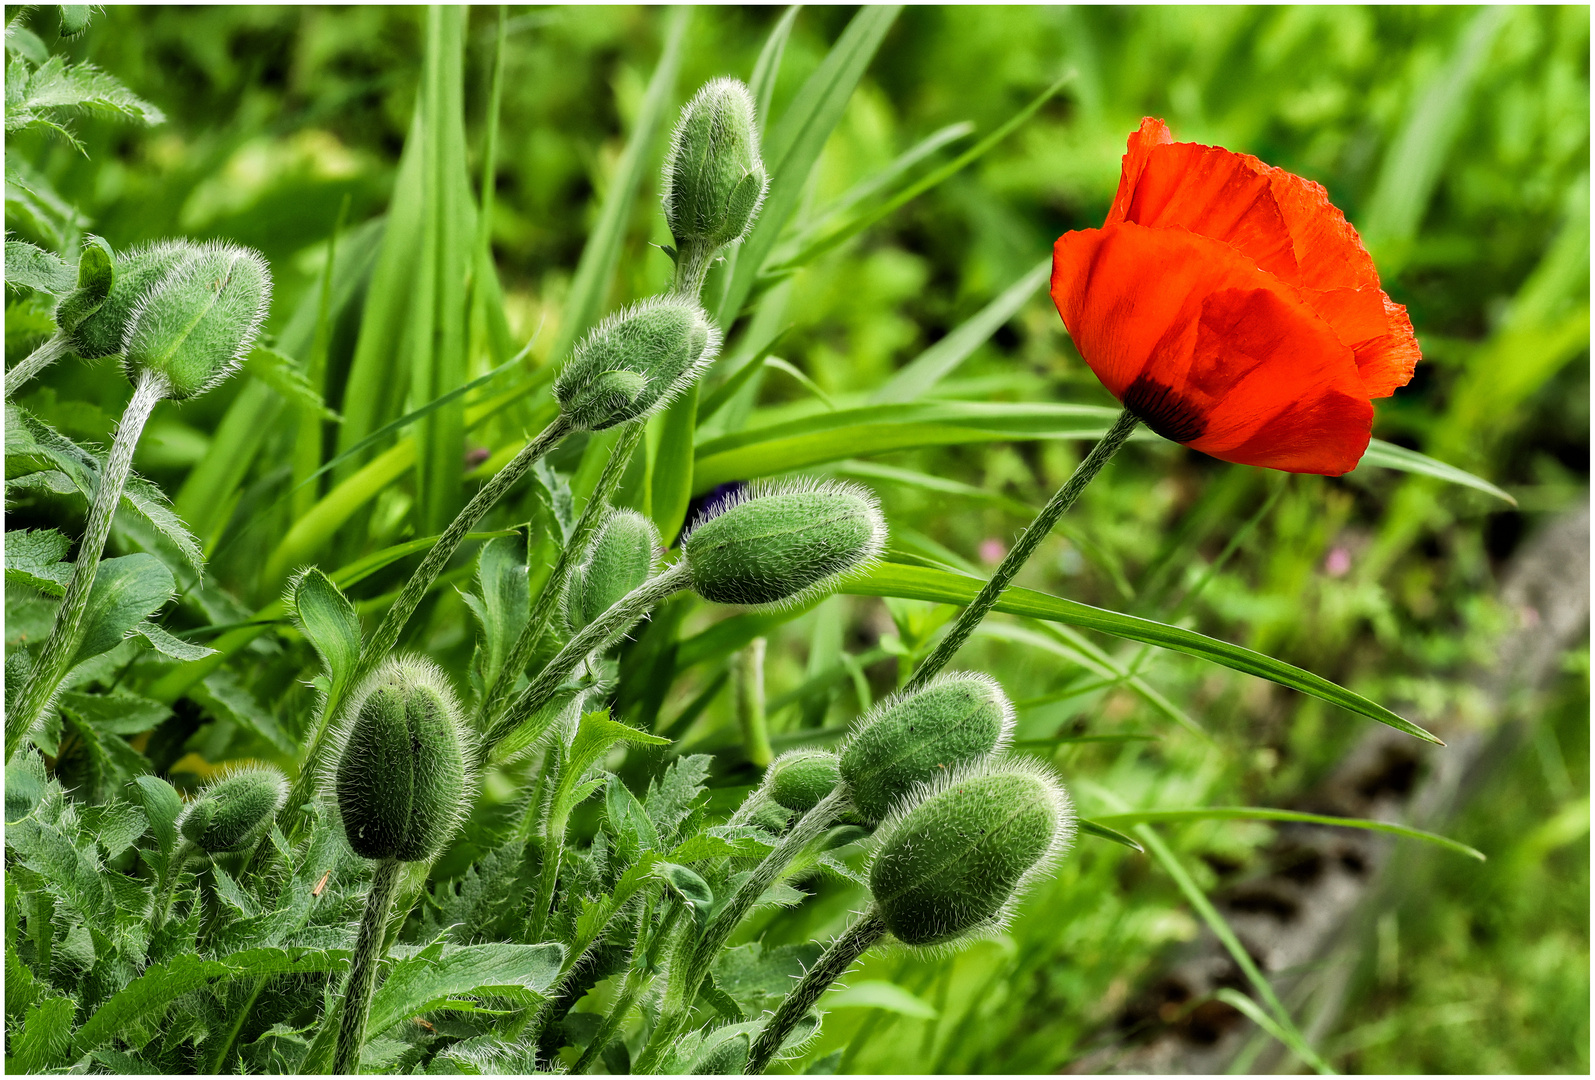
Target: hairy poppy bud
{"x":624,"y":554}
{"x":714,"y":181}
{"x":96,"y":274}
{"x":231,"y":812}
{"x":955,"y":720}
{"x":770,"y":545}
{"x":800,"y":778}
{"x":102,"y":330}
{"x":194,"y":326}
{"x":952,"y":863}
{"x":401,"y":778}
{"x":770,"y":816}
{"x":635,"y":361}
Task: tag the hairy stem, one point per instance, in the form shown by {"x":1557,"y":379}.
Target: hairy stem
{"x":52,"y":350}
{"x":174,"y":870}
{"x":598,"y":634}
{"x":55,"y":659}
{"x":644,"y":965}
{"x":688,"y":977}
{"x":520,"y":654}
{"x":238,"y":1025}
{"x":693,"y":260}
{"x":853,"y":943}
{"x":363,"y":968}
{"x":1025,"y":547}
{"x":747,"y":701}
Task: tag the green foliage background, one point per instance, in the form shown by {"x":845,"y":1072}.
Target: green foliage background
{"x":1457,"y":139}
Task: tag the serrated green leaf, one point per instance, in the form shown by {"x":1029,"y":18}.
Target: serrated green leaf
{"x":162,"y":804}
{"x":45,"y":1038}
{"x":283,"y":374}
{"x":940,"y":586}
{"x":505,"y":601}
{"x":35,"y":268}
{"x":628,"y":822}
{"x":223,"y":694}
{"x":329,"y":622}
{"x":33,"y":558}
{"x":423,"y":983}
{"x":55,"y":90}
{"x":115,"y":714}
{"x":126,"y":591}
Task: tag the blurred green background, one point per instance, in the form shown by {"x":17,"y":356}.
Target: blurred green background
{"x":1456,"y":139}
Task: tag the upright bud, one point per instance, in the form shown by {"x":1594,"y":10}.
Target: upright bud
{"x":952,"y":864}
{"x":401,"y":777}
{"x":231,"y":812}
{"x":799,"y":779}
{"x":635,"y":362}
{"x":97,"y":330}
{"x":780,"y":544}
{"x":624,"y":554}
{"x":956,"y":720}
{"x":714,"y":181}
{"x":194,"y":326}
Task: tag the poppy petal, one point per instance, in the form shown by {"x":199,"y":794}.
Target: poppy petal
{"x":1327,"y":434}
{"x":1152,"y":133}
{"x":1197,"y":340}
{"x":1328,"y":250}
{"x":1378,"y":331}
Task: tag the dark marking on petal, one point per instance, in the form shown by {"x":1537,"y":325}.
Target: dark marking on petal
{"x":1164,"y":410}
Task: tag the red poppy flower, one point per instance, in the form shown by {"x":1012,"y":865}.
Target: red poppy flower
{"x":1231,"y":308}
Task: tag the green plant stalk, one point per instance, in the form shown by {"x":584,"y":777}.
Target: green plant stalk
{"x":174,"y":870}
{"x":543,"y":611}
{"x":226,"y":1047}
{"x":598,"y":634}
{"x":1025,"y":547}
{"x":52,"y":350}
{"x":832,"y":965}
{"x":55,"y":659}
{"x":645,"y":964}
{"x":686,"y":978}
{"x":363,"y":968}
{"x":747,"y":701}
{"x":693,"y":260}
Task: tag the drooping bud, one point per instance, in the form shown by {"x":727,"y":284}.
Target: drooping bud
{"x":401,"y":778}
{"x":956,"y":720}
{"x":624,"y":554}
{"x":196,"y":324}
{"x":771,"y":545}
{"x":714,"y":180}
{"x":96,"y":273}
{"x":635,"y":362}
{"x":800,"y":778}
{"x":230,"y":813}
{"x":101,"y":331}
{"x":953,"y":862}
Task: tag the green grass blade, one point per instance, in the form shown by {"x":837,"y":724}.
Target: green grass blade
{"x":601,"y":255}
{"x":879,"y":474}
{"x":794,"y":145}
{"x":1293,"y":1040}
{"x":928,"y":368}
{"x":1263,"y":813}
{"x":768,"y":66}
{"x":1385,"y":455}
{"x":923,"y":583}
{"x":1092,"y":828}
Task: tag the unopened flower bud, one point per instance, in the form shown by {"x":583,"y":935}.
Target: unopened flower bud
{"x":96,"y":273}
{"x":102,"y":330}
{"x":624,"y":554}
{"x":957,"y":719}
{"x":952,"y":863}
{"x":800,"y":778}
{"x":770,"y":816}
{"x":780,"y":544}
{"x":194,"y":326}
{"x":401,"y":778}
{"x":714,"y":181}
{"x":635,"y":362}
{"x":231,"y":812}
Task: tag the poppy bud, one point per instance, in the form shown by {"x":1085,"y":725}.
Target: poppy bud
{"x":231,"y":812}
{"x":635,"y":361}
{"x":196,"y":324}
{"x":955,"y":720}
{"x":624,"y":554}
{"x":953,"y":861}
{"x":100,"y":331}
{"x":770,"y":816}
{"x":800,"y":778}
{"x":714,"y":181}
{"x":96,"y":275}
{"x":401,"y":778}
{"x":774,"y":545}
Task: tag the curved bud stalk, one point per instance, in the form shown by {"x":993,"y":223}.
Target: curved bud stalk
{"x":951,"y":864}
{"x":228,"y":815}
{"x":401,"y":788}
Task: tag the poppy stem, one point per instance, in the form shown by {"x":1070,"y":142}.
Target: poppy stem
{"x":1026,"y":546}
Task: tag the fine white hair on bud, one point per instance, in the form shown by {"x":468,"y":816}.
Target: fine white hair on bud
{"x":636,"y":362}
{"x":399,"y":782}
{"x":625,"y":552}
{"x":102,"y":331}
{"x":232,"y":811}
{"x":775,"y":545}
{"x":954,"y":858}
{"x":799,"y":779}
{"x":714,"y":179}
{"x":196,"y":323}
{"x":956,"y":719}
